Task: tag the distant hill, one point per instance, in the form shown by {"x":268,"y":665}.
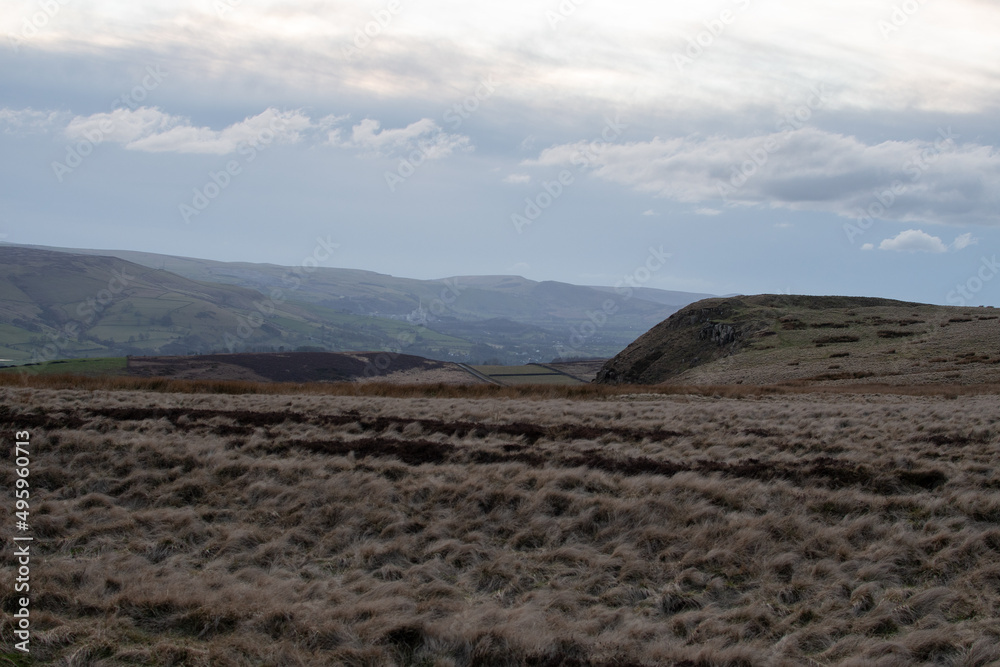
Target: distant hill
{"x":366,"y":292}
{"x":781,"y":338}
{"x":59,"y":305}
{"x":179,"y":305}
{"x":665,"y":297}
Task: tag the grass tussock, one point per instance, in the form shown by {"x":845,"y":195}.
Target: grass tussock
{"x":509,"y":529}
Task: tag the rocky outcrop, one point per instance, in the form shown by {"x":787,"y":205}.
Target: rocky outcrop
{"x":719,"y":333}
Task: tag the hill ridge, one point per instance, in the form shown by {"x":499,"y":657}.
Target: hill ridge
{"x":771,"y":338}
{"x":507,"y":320}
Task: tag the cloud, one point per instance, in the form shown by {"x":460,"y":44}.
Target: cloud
{"x":424,"y":136}
{"x":964,"y":241}
{"x":938,"y":61}
{"x":28,"y":121}
{"x":155,"y":131}
{"x":122,"y":126}
{"x":807,"y":169}
{"x":517,"y":179}
{"x":708,"y":211}
{"x":868,"y":246}
{"x":914,"y":240}
{"x":651,"y":212}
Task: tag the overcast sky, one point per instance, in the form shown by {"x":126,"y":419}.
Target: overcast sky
{"x":821,"y":147}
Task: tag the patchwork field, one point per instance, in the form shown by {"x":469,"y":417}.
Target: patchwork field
{"x":529,"y":374}
{"x":623,"y":529}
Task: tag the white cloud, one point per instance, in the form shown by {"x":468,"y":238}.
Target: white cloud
{"x":807,"y":169}
{"x":914,"y":240}
{"x":649,"y":212}
{"x":154,"y":131}
{"x":27,"y":121}
{"x":265,"y":128}
{"x":121,"y":126}
{"x":517,"y":179}
{"x":964,"y":241}
{"x":327,"y":123}
{"x":868,"y":246}
{"x":708,"y":211}
{"x":424,"y":136}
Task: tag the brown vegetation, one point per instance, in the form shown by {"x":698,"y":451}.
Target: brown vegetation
{"x":254,"y":527}
{"x":301,"y":367}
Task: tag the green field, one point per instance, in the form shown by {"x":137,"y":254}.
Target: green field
{"x":528,"y":374}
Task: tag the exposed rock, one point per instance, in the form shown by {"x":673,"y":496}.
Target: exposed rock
{"x":718,"y":333}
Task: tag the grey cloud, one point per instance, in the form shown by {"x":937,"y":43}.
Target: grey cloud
{"x":932,"y":181}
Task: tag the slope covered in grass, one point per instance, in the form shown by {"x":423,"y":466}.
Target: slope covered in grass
{"x":769,"y":339}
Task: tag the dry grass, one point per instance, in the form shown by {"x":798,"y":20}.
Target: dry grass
{"x":511,"y":528}
{"x":450,"y":390}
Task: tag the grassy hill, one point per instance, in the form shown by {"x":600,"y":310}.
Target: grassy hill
{"x":57,"y":305}
{"x":769,"y":339}
{"x":505,"y":319}
{"x":464,"y":298}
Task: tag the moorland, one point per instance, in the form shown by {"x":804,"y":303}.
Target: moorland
{"x":197,"y":523}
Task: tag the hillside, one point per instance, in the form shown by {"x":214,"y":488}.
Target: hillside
{"x":58,"y":305}
{"x":457,"y":298}
{"x":769,"y":339}
{"x":466,"y":318}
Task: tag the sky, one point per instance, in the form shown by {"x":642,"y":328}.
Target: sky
{"x":763,"y":146}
